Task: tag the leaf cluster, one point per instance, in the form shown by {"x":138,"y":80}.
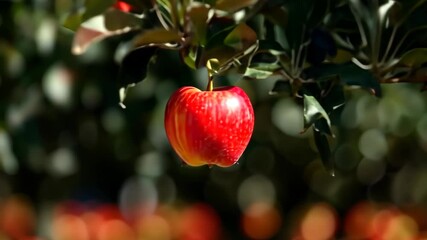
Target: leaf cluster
{"x":315,"y":49}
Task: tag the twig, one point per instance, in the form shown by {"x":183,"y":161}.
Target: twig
{"x":361,"y":65}
{"x":387,"y":50}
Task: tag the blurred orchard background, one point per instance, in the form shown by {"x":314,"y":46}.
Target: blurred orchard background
{"x":74,"y":165}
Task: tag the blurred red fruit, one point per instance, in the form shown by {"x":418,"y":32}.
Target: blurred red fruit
{"x":17,"y":217}
{"x":199,"y":222}
{"x":123,"y":6}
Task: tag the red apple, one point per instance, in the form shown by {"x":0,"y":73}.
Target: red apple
{"x":209,"y":127}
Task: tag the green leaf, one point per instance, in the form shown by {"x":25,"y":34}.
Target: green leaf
{"x":264,"y":66}
{"x":232,"y":47}
{"x":323,"y":147}
{"x":281,"y":86}
{"x":349,"y":73}
{"x":96,"y":7}
{"x":266,"y":61}
{"x":171,"y":13}
{"x":386,"y":12}
{"x":133,"y":69}
{"x":217,"y":30}
{"x":257,"y":73}
{"x":158,"y":37}
{"x":241,"y":37}
{"x":332,"y":93}
{"x":116,"y":20}
{"x":234,"y":5}
{"x":198,"y":18}
{"x":73,"y":21}
{"x":414,"y":58}
{"x":163,"y":10}
{"x":96,"y":29}
{"x":191,"y":56}
{"x":313,"y":111}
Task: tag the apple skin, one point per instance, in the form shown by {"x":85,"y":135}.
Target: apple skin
{"x":209,"y":127}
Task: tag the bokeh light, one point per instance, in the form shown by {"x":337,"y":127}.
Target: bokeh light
{"x":261,"y":220}
{"x":318,"y":223}
{"x":17,"y":217}
{"x":358,"y":221}
{"x":256,"y":188}
{"x":138,"y":197}
{"x":115,"y":229}
{"x":373,"y":144}
{"x":68,"y":227}
{"x":288,"y":117}
{"x":62,"y":163}
{"x":199,"y":221}
{"x":153,"y":227}
{"x":58,"y":85}
{"x":370,"y":171}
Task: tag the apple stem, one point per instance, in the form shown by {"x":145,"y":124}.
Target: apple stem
{"x":210,"y":84}
{"x":211,"y":65}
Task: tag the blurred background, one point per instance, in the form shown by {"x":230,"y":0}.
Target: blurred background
{"x":74,"y":165}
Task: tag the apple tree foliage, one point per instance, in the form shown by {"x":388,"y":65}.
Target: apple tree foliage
{"x":314,"y":49}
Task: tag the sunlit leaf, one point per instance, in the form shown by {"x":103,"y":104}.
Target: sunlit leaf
{"x":198,"y":18}
{"x":171,"y":13}
{"x":158,"y":36}
{"x":234,"y":5}
{"x":96,"y":29}
{"x":313,"y":111}
{"x":229,"y":57}
{"x":256,"y":73}
{"x":386,"y":10}
{"x":241,"y":37}
{"x":232,"y":46}
{"x":414,"y":58}
{"x":266,"y":61}
{"x":117,"y":20}
{"x":191,"y":56}
{"x":73,"y":21}
{"x":96,"y":7}
{"x":163,"y":10}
